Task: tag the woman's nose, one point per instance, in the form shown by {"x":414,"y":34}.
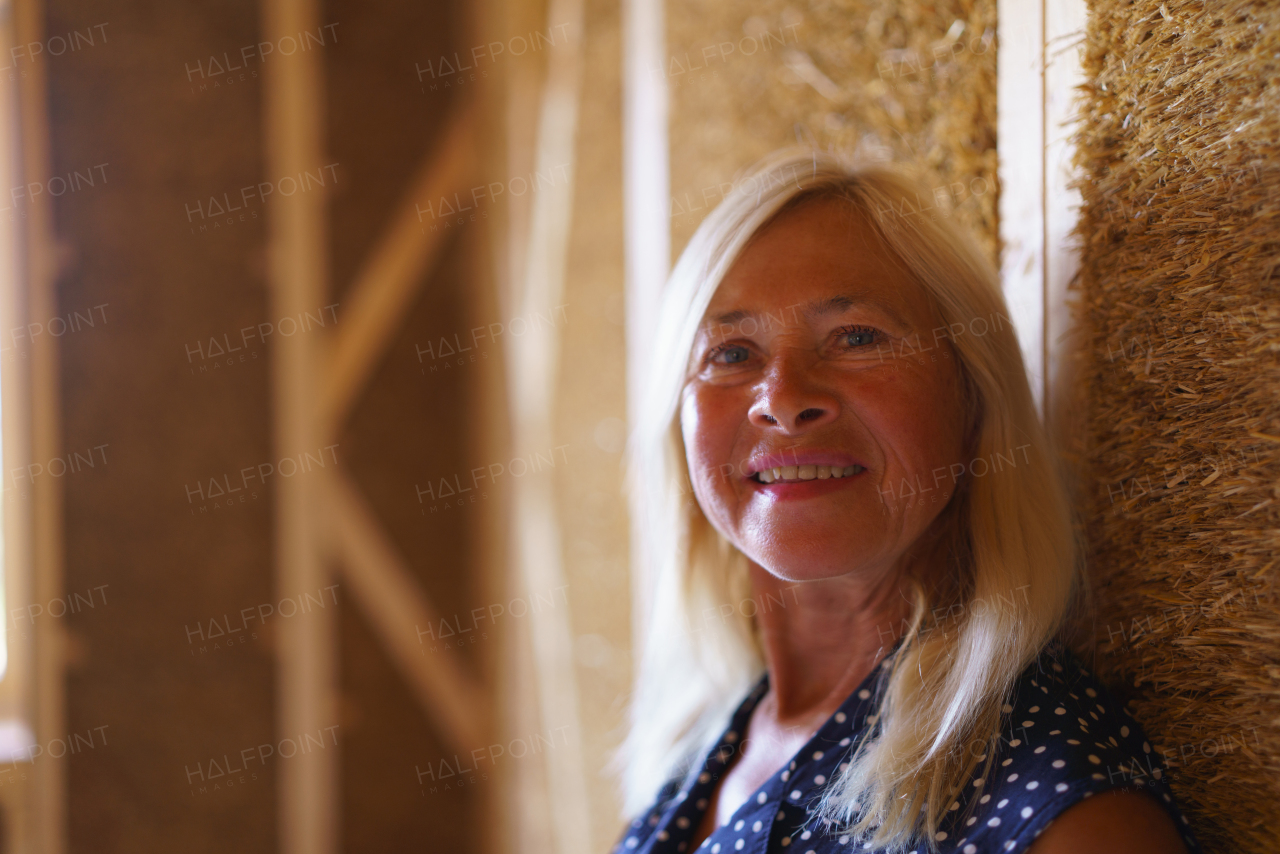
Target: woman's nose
{"x":790,"y":398}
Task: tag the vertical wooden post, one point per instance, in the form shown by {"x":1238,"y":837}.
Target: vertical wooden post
{"x":1020,"y":135}
{"x":1064,"y":71}
{"x":47,"y":698}
{"x":294,"y":126}
{"x":647,"y":192}
{"x":533,"y":360}
{"x":1038,"y":66}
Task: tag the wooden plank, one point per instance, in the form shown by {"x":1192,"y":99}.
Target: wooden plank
{"x":389,"y":279}
{"x":293,"y":103}
{"x":1064,"y":71}
{"x":1020,"y":131}
{"x":532,"y":364}
{"x":15,"y":406}
{"x":45,"y":825}
{"x":398,"y":610}
{"x":647,"y":190}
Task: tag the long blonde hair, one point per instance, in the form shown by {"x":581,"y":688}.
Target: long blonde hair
{"x":941,"y":692}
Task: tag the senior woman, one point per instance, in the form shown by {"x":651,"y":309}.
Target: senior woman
{"x":855,"y":620}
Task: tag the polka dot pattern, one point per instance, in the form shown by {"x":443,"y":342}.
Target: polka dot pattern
{"x":1064,"y":739}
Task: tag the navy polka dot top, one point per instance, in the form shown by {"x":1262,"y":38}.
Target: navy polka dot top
{"x":1065,"y":739}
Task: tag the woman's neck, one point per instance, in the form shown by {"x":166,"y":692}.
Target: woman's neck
{"x":825,"y":637}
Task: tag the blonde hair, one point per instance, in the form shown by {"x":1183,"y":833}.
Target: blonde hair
{"x":941,"y":692}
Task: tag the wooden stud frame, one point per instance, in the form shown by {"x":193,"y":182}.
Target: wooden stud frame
{"x":32,"y":690}
{"x":316,"y":380}
{"x":1039,"y":67}
{"x":647,"y":192}
{"x":532,"y":381}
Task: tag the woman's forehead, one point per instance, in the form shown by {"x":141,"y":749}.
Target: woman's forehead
{"x":818,"y":260}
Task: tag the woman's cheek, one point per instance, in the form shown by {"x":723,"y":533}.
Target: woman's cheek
{"x":703,"y":424}
{"x":713,"y":488}
{"x":708,"y":441}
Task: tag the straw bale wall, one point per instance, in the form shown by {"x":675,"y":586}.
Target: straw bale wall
{"x":1180,"y":389}
{"x":909,"y":80}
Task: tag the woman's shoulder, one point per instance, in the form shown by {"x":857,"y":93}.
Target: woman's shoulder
{"x":1064,"y":739}
{"x":1058,"y":704}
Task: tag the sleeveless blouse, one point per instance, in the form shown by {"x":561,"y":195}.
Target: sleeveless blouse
{"x":1064,"y":739}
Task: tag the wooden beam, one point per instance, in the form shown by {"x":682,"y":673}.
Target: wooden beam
{"x":1065,"y":22}
{"x":1020,"y":131}
{"x":397,"y":610}
{"x":44,"y":828}
{"x":1039,"y":68}
{"x":532,"y":364}
{"x":293,"y":108}
{"x":647,"y":193}
{"x":391,"y":276}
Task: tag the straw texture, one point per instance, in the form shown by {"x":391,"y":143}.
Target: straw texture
{"x":1179,"y":382}
{"x":914,"y":81}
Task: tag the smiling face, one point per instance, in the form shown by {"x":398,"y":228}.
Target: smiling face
{"x":822,"y":412}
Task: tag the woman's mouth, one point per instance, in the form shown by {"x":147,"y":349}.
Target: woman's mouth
{"x":798,"y":474}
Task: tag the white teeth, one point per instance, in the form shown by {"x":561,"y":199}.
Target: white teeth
{"x":806,"y":472}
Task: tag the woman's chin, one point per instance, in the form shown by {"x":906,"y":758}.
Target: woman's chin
{"x":808,"y":562}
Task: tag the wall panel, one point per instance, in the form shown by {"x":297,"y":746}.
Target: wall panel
{"x":174,"y":691}
{"x":1179,"y":384}
{"x":913,"y":81}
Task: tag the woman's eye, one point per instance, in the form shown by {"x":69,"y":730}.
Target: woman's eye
{"x":859,"y":337}
{"x":730,"y":355}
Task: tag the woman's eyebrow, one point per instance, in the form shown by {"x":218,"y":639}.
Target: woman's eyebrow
{"x":734,"y":316}
{"x":830,"y":305}
{"x":841,"y":304}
